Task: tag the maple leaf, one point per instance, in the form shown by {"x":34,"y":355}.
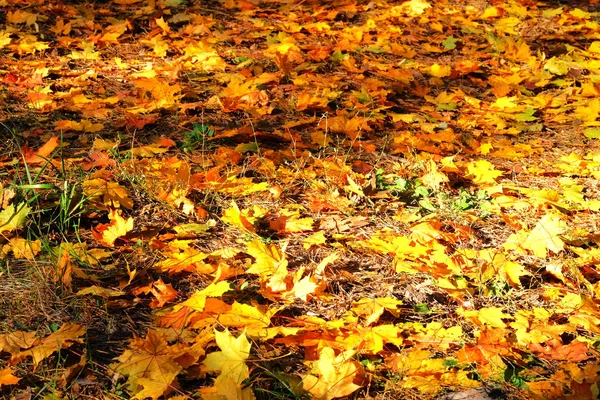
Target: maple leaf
{"x":268,"y":258}
{"x":85,"y":126}
{"x":482,"y":172}
{"x":554,"y":349}
{"x":491,"y":316}
{"x":163,"y":292}
{"x":290,"y":222}
{"x":7,"y":377}
{"x":159,"y":147}
{"x":111,"y":193}
{"x":231,"y":363}
{"x":545,"y":236}
{"x":40,"y":156}
{"x":332,"y":376}
{"x":315,"y":239}
{"x":271,"y":265}
{"x":63,"y":338}
{"x":12,"y":218}
{"x":254,"y":319}
{"x":15,"y":341}
{"x":433,"y":179}
{"x":100,"y":291}
{"x":107,"y":234}
{"x":98,"y":159}
{"x":234,"y":216}
{"x":372,"y":309}
{"x":150,"y":364}
{"x":22,"y":248}
{"x":4,"y":38}
{"x":440,"y":71}
{"x":198,"y":300}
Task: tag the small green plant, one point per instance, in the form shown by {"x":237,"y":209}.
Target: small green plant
{"x":468,"y":201}
{"x":196,"y":137}
{"x":412,"y":191}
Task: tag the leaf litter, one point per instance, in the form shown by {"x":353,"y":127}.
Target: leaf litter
{"x":240,"y":200}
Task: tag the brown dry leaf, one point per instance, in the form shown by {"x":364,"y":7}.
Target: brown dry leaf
{"x":100,"y":291}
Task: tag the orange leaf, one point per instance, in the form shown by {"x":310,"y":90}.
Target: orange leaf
{"x":107,"y":234}
{"x":553,"y":349}
{"x":41,"y":155}
{"x":7,"y":377}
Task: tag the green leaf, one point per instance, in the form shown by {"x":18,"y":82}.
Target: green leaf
{"x":527,"y":115}
{"x":338,"y":56}
{"x":247,"y":147}
{"x":592,"y":133}
{"x":421,"y":308}
{"x":450,"y":42}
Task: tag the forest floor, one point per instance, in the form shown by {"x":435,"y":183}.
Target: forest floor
{"x":299,"y":199}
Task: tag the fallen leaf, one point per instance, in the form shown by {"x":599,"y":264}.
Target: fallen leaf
{"x":332,"y":376}
{"x":107,"y":234}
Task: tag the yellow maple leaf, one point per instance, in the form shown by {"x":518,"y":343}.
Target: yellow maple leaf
{"x":372,"y":309}
{"x":255,"y":319}
{"x":23,"y":248}
{"x":230,"y":361}
{"x":315,"y":239}
{"x":481,"y":172}
{"x":332,"y":376}
{"x":545,"y":236}
{"x":305,"y":287}
{"x":61,"y":339}
{"x":107,"y":234}
{"x":163,"y":25}
{"x":149,"y":365}
{"x":433,"y":179}
{"x":198,"y":300}
{"x":268,"y":258}
{"x":491,"y":316}
{"x":235,"y":217}
{"x":13,"y":342}
{"x":4,"y":38}
{"x":110,"y":194}
{"x":440,"y":71}
{"x":12,"y":218}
